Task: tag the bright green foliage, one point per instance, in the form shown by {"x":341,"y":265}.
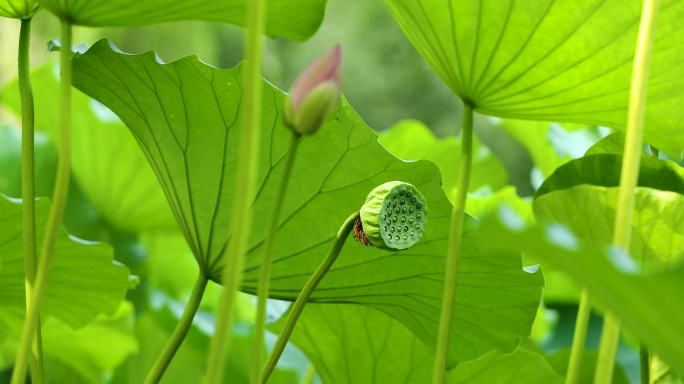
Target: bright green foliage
{"x":552,"y":60}
{"x":184,"y":114}
{"x":355,"y":344}
{"x":604,"y":170}
{"x":92,"y":351}
{"x":412,"y":140}
{"x":483,"y":204}
{"x":18,"y":9}
{"x":533,"y":135}
{"x":590,"y":185}
{"x":613,"y":143}
{"x":641,"y":301}
{"x":106,"y":160}
{"x":83,"y":283}
{"x":284,"y":19}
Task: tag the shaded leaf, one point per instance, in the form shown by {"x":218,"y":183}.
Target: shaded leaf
{"x":552,"y":60}
{"x":184,"y":116}
{"x":282,"y":18}
{"x":106,"y":161}
{"x":356,"y":344}
{"x":92,"y":352}
{"x":10,"y":163}
{"x":559,"y":361}
{"x":83,"y":280}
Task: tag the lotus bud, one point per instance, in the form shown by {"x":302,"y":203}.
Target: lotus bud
{"x":18,"y":9}
{"x":393,"y":217}
{"x":315,"y":94}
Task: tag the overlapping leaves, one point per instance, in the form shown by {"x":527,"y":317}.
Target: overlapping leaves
{"x":184,"y":115}
{"x":83,"y":282}
{"x":590,"y":185}
{"x":641,"y":301}
{"x":106,"y":160}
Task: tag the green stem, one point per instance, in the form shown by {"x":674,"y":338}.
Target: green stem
{"x":454,"y":249}
{"x":629,"y":176}
{"x":579,"y":339}
{"x":265,"y":272}
{"x":180,"y":332}
{"x":645,"y":365}
{"x":28,"y":194}
{"x":54,"y":222}
{"x":304,"y":295}
{"x":241,"y":218}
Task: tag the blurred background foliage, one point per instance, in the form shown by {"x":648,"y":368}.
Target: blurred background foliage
{"x":388,"y":83}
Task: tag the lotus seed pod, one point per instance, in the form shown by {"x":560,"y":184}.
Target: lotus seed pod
{"x":393,"y":217}
{"x":18,"y":9}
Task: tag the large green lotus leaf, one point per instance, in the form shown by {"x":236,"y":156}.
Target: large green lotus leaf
{"x":185,"y":116}
{"x":18,"y":9}
{"x":604,"y":170}
{"x":106,"y":161}
{"x":83,"y":280}
{"x":412,"y":140}
{"x":293,"y":19}
{"x":357,"y":344}
{"x":640,"y":301}
{"x":552,"y":60}
{"x":93,"y":351}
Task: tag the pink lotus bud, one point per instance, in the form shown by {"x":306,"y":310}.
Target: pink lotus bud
{"x":315,"y":94}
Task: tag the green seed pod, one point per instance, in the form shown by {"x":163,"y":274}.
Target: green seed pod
{"x":393,"y":217}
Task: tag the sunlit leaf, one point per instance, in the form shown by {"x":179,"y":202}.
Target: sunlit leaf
{"x":584,"y":194}
{"x":83,"y":280}
{"x":283,"y":17}
{"x":640,"y":301}
{"x":412,"y":140}
{"x":552,"y":60}
{"x":184,"y":115}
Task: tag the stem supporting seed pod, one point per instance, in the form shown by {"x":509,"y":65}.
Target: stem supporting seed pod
{"x":393,"y":217}
{"x":378,"y":205}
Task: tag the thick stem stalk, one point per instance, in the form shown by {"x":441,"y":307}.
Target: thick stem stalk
{"x":28,"y":194}
{"x":241,"y":219}
{"x":54,"y":222}
{"x":629,"y":176}
{"x":265,"y":272}
{"x":644,"y":365}
{"x":454,"y":249}
{"x":579,"y":339}
{"x":180,"y":332}
{"x":305,"y":294}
